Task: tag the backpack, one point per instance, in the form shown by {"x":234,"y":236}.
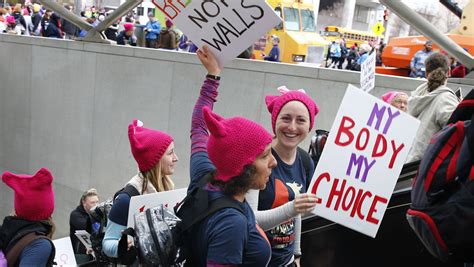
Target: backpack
{"x":317,"y":145}
{"x":163,"y":237}
{"x":442,"y":209}
{"x":99,"y":216}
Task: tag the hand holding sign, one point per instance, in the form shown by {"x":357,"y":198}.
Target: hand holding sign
{"x":305,"y":203}
{"x":208,"y":60}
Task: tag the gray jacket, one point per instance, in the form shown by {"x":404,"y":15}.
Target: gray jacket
{"x":433,"y":109}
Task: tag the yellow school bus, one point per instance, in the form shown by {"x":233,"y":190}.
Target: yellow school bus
{"x":299,"y":41}
{"x":333,"y":33}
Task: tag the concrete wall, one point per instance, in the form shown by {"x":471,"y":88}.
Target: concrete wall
{"x":66,"y":105}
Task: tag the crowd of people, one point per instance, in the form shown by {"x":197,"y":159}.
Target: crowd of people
{"x":266,"y":174}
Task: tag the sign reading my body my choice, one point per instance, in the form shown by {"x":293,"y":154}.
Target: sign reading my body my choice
{"x":362,"y":159}
{"x":228,"y":27}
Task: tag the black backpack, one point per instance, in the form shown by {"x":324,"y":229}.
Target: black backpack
{"x":171,"y":235}
{"x":442,"y":209}
{"x":99,"y":215}
{"x":317,"y":145}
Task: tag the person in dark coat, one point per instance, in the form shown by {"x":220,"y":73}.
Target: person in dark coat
{"x":167,"y":38}
{"x":127,"y":36}
{"x":79,"y":218}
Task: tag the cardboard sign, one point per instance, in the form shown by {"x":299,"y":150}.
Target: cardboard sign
{"x":367,"y":73}
{"x":141,"y":203}
{"x":64,"y":252}
{"x":362,"y":159}
{"x":228,"y":27}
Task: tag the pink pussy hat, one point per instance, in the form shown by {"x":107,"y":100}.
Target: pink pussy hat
{"x":276,"y":103}
{"x":34,"y":196}
{"x":148,"y":146}
{"x":233,"y":143}
{"x":128,"y":26}
{"x":388,"y":97}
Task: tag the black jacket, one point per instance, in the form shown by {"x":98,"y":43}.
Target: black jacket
{"x":78,"y":220}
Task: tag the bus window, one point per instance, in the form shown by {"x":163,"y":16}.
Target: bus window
{"x":278,"y":12}
{"x":307,"y":18}
{"x":292,"y":19}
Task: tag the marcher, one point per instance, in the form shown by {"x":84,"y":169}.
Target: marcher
{"x":292,"y":113}
{"x":71,"y":31}
{"x":334,"y":53}
{"x":154,"y":153}
{"x":127,"y":36}
{"x":152,"y":30}
{"x":432,"y":103}
{"x":274,"y":52}
{"x":79,"y":219}
{"x":167,"y":38}
{"x":396,"y":99}
{"x":417,"y":63}
{"x":36,"y":20}
{"x":187,"y":45}
{"x":12,"y":27}
{"x":26,"y":235}
{"x":235,"y":157}
{"x":50,"y":25}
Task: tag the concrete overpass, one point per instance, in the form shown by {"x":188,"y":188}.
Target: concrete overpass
{"x":66,"y":105}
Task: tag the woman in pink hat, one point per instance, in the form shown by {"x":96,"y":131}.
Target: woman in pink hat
{"x":235,"y":158}
{"x":25,"y":237}
{"x":292,"y":116}
{"x":396,"y":99}
{"x":154,"y":153}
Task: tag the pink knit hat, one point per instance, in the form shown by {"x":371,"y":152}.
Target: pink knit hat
{"x":128,"y":26}
{"x":276,"y":103}
{"x":388,"y":97}
{"x":147,"y":145}
{"x":168,"y":23}
{"x":233,"y":143}
{"x":34,"y":196}
{"x":11,"y":20}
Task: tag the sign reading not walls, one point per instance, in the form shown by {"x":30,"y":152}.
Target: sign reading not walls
{"x":228,"y":27}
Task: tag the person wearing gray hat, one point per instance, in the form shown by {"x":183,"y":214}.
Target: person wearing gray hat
{"x":152,"y":31}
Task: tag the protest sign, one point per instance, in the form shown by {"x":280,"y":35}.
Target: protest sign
{"x":227,"y":27}
{"x":84,"y":237}
{"x":141,"y":203}
{"x":362,"y":159}
{"x":64,"y":252}
{"x":367,"y":73}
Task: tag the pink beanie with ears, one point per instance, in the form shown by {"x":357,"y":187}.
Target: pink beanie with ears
{"x":276,"y":103}
{"x":11,"y":20}
{"x":128,"y":26}
{"x":148,"y":146}
{"x":233,"y":143}
{"x":388,"y":97}
{"x":34,"y":196}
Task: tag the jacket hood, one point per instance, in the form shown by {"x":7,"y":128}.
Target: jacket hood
{"x":420,"y":99}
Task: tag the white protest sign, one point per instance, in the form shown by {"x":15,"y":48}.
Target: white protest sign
{"x":367,"y":73}
{"x":64,"y":252}
{"x":141,"y":203}
{"x":84,"y":237}
{"x":362,"y":159}
{"x":227,"y":26}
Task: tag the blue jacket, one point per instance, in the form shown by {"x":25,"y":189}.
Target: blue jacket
{"x":274,"y":54}
{"x":153,"y":30}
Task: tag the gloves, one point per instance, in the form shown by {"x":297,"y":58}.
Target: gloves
{"x":127,"y":256}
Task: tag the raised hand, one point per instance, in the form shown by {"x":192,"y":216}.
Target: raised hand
{"x":209,"y":61}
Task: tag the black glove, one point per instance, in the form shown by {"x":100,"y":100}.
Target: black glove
{"x":126,"y":256}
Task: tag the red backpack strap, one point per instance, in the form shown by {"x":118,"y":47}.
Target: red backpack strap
{"x":451,"y":172}
{"x":443,"y":154}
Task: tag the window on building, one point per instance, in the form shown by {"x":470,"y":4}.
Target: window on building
{"x":361,"y":14}
{"x":292,"y":19}
{"x":150,"y":9}
{"x":140,"y":11}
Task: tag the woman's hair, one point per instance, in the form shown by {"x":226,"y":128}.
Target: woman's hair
{"x":89,"y":193}
{"x":236,"y":185}
{"x":159,"y":181}
{"x":50,"y":221}
{"x":17,"y":8}
{"x":437,"y":68}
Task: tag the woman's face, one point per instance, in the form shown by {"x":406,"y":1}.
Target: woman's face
{"x":292,"y":124}
{"x":169,"y":160}
{"x":401,"y":102}
{"x":263,"y":164}
{"x":90,"y":202}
